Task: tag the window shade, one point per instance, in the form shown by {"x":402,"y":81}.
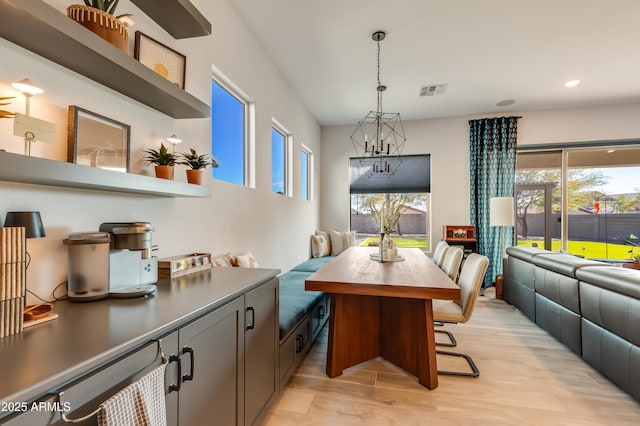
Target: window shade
{"x":409,"y":174}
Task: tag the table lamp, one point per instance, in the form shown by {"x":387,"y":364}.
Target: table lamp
{"x":32,"y":223}
{"x":501,"y":213}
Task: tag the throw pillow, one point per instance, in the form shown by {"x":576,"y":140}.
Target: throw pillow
{"x":224,"y":261}
{"x":340,"y":241}
{"x":320,"y":246}
{"x":246,"y":260}
{"x":326,"y":237}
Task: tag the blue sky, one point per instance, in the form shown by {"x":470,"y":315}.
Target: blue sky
{"x":227,"y":135}
{"x":277,"y":161}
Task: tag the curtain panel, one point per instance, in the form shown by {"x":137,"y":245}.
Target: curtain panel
{"x":492,"y":146}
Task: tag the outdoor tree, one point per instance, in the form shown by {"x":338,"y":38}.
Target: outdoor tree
{"x":583,"y":188}
{"x":389,"y":205}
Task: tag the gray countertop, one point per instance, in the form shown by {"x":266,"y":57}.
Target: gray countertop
{"x":87,"y":335}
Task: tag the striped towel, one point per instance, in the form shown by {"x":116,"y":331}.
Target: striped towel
{"x":141,"y":403}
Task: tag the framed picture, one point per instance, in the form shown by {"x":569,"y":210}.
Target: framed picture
{"x":160,"y":58}
{"x":97,"y":141}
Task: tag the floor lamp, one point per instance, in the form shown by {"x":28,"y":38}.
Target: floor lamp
{"x":501,"y":213}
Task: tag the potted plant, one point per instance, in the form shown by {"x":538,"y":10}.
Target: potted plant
{"x":196,"y":163}
{"x":164,"y":161}
{"x":98,"y":17}
{"x":3,"y":113}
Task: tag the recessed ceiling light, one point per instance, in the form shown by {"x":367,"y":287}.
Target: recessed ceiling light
{"x":611,"y":151}
{"x":572,"y":83}
{"x":506,"y":102}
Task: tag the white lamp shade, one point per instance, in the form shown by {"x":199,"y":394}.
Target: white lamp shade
{"x":27,"y":87}
{"x":501,"y":211}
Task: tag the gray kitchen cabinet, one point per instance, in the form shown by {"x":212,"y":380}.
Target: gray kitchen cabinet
{"x":212,"y":350}
{"x":221,"y":366}
{"x":261,"y":350}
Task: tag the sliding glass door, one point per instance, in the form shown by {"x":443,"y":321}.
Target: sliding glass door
{"x":582,"y":200}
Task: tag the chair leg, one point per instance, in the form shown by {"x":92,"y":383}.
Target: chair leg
{"x":451,"y":338}
{"x":474,"y":368}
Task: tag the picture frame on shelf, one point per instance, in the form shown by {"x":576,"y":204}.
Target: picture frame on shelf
{"x":160,"y":58}
{"x":97,"y":141}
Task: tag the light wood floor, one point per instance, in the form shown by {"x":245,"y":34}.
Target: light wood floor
{"x":526,"y":378}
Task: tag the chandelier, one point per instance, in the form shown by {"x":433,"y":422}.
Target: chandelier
{"x":380,"y":135}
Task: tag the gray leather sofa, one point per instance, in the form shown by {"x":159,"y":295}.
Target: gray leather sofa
{"x":591,"y":307}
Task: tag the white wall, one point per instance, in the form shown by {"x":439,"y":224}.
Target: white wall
{"x":447,"y":140}
{"x":237,"y":219}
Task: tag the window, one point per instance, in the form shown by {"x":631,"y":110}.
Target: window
{"x":593,"y":203}
{"x":280,"y":164}
{"x":229,"y":123}
{"x":401,"y":197}
{"x":306,"y":167}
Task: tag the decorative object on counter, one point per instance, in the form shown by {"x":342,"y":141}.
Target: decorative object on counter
{"x":3,"y":113}
{"x":196,"y":163}
{"x":160,"y":58}
{"x":12,"y":279}
{"x":164,"y":161}
{"x":97,"y":17}
{"x":175,"y":266}
{"x":97,"y":141}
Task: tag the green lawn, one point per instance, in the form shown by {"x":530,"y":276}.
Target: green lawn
{"x":402,"y":242}
{"x":590,"y":249}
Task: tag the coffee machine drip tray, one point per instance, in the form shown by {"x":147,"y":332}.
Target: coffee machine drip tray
{"x":133,"y":291}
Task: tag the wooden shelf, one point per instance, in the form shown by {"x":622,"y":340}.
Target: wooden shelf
{"x":40,"y":171}
{"x":42,"y":29}
{"x":179,"y":18}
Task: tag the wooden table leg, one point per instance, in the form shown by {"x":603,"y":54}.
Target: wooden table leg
{"x":427,"y":367}
{"x":354,"y":331}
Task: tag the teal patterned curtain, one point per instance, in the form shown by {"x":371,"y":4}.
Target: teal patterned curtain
{"x":492,"y":145}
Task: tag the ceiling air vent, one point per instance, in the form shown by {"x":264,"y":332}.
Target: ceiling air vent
{"x":433,"y":89}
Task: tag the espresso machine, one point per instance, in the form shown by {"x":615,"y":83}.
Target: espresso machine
{"x":133,"y":271}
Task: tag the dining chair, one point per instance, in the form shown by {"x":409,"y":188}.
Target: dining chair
{"x":459,"y":311}
{"x":451,"y":262}
{"x":439,"y":252}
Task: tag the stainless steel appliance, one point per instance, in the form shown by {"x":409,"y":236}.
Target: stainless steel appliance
{"x":132,"y":268}
{"x":88,"y":277}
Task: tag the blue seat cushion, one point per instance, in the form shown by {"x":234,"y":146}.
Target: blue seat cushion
{"x":312,"y":265}
{"x":295,"y":301}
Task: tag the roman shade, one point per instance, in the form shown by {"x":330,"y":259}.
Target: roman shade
{"x":407,"y":174}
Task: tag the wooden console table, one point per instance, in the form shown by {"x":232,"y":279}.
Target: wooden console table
{"x":383,"y":309}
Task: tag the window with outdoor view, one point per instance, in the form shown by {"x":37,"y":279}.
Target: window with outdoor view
{"x":278,"y":161}
{"x":229,"y":123}
{"x":601,"y":206}
{"x":395,"y":203}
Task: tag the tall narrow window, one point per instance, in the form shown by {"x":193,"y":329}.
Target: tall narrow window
{"x":305,"y":173}
{"x":228,"y":134}
{"x":278,"y":161}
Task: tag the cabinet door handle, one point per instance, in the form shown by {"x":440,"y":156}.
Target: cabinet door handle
{"x":251,"y":324}
{"x":321,"y":311}
{"x":175,"y":358}
{"x":299,"y":343}
{"x":188,"y":350}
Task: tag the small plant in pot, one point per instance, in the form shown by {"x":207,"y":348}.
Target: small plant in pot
{"x":196,"y":163}
{"x":98,"y":17}
{"x":164,"y":161}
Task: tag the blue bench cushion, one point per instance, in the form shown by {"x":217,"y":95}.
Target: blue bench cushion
{"x":295,"y":301}
{"x":312,"y":265}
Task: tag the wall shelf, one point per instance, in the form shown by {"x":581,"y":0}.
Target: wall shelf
{"x":179,"y":18}
{"x":40,"y":171}
{"x":42,"y":29}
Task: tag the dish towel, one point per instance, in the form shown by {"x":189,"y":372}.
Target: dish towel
{"x":141,"y":403}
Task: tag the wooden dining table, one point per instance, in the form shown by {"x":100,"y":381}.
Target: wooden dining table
{"x":383,"y":309}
